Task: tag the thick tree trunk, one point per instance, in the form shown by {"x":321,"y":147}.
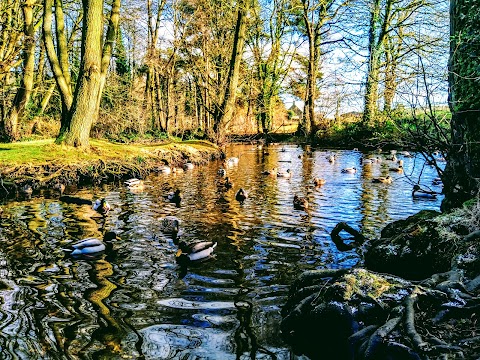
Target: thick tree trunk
{"x":84,"y":109}
{"x":462,"y":173}
{"x":23,"y":94}
{"x":225,"y":113}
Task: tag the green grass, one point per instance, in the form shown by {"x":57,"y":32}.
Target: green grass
{"x":43,"y":152}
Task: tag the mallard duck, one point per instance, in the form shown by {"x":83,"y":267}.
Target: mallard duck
{"x":398,"y":169}
{"x":222,"y":172}
{"x":91,"y":245}
{"x":170,"y":225}
{"x":232,"y":161}
{"x":194,"y":251}
{"x":26,"y":190}
{"x":351,"y":170}
{"x":272,"y":172}
{"x":285,"y":174}
{"x":241,"y":195}
{"x":59,"y":187}
{"x":418,"y":192}
{"x":101,"y":206}
{"x":300,"y":203}
{"x":437,"y":181}
{"x":164,"y":169}
{"x":228,"y":184}
{"x":384,"y":180}
{"x":319,"y":182}
{"x":174,"y":197}
{"x":188,"y":166}
{"x":135,"y":184}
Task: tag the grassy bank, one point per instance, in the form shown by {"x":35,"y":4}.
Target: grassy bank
{"x":42,"y":163}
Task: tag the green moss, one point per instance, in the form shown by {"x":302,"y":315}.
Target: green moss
{"x":365,"y":284}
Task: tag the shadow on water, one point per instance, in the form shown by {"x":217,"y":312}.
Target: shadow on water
{"x":134,"y":301}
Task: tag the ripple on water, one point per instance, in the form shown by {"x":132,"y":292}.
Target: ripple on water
{"x":185,"y":342}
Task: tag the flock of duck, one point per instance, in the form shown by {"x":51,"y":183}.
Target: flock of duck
{"x":193,"y":251}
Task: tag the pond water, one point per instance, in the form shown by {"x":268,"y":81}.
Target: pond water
{"x":133,"y":302}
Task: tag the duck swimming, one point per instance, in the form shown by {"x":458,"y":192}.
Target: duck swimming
{"x":134,"y":184}
{"x":228,"y":184}
{"x":272,"y":172}
{"x":188,"y":166}
{"x":351,"y":170}
{"x":241,"y":196}
{"x":319,"y":182}
{"x":418,"y":192}
{"x":101,"y":206}
{"x":385,"y":180}
{"x":90,"y":246}
{"x":285,"y":174}
{"x":300,"y":203}
{"x":398,"y":169}
{"x":170,"y":225}
{"x":174,"y":197}
{"x":194,"y":251}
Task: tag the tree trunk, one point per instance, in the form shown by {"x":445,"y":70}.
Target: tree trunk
{"x":84,"y":109}
{"x":225,"y":113}
{"x":26,"y":85}
{"x":462,"y":173}
{"x":93,"y":69}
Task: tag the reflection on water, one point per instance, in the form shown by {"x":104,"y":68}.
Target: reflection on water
{"x":133,"y":302}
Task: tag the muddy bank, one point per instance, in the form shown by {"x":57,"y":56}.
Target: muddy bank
{"x":42,"y":165}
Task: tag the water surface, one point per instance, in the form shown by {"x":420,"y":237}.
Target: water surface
{"x":133,"y":302}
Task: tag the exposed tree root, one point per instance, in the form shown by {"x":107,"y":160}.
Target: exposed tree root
{"x":340,"y":243}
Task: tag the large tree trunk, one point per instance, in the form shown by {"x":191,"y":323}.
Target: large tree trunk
{"x":84,"y":108}
{"x":225,"y":113}
{"x":23,"y":94}
{"x":93,"y":69}
{"x":462,"y":173}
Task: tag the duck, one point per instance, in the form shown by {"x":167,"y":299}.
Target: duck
{"x":285,"y":174}
{"x":418,"y":192}
{"x":228,"y":184}
{"x":319,"y":182}
{"x":188,"y":166}
{"x":367,"y":161}
{"x":174,"y":197}
{"x":91,"y":246}
{"x":232,"y":161}
{"x":170,"y":225}
{"x":351,"y":170}
{"x":194,"y":251}
{"x":398,"y":169}
{"x":406,"y":154}
{"x":59,"y":187}
{"x":26,"y":190}
{"x":164,"y":169}
{"x":241,"y":195}
{"x":272,"y":172}
{"x":384,"y":180}
{"x":437,"y":181}
{"x":134,"y":184}
{"x":392,"y":158}
{"x":101,"y":206}
{"x":375,"y":160}
{"x":331,"y":158}
{"x":300,"y":203}
{"x":222,"y":172}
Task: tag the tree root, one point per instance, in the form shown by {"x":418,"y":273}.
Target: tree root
{"x":339,"y":242}
{"x":415,"y":337}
